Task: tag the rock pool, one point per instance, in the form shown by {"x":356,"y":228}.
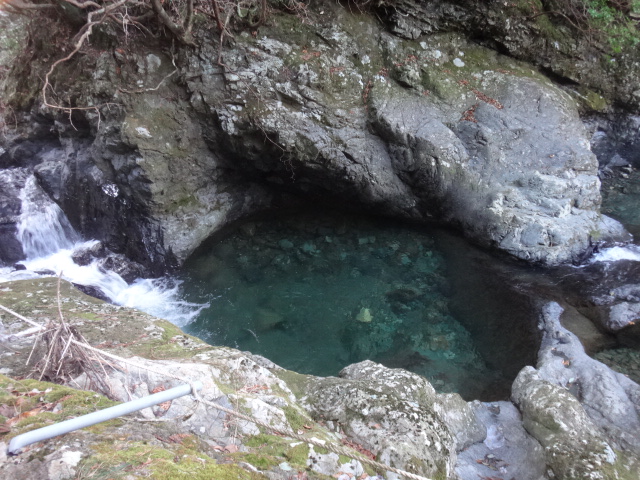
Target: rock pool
{"x":315,"y":292}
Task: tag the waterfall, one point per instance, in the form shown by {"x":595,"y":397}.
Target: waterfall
{"x":49,"y":241}
{"x":44,"y":228}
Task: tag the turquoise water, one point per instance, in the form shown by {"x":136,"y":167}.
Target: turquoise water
{"x":318,"y":291}
{"x":620,"y":200}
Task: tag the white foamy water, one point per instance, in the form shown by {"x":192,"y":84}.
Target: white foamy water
{"x":614,"y":254}
{"x":43,"y":228}
{"x":160,"y":298}
{"x":49,"y":241}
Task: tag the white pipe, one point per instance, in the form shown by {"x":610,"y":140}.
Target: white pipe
{"x":100,"y":416}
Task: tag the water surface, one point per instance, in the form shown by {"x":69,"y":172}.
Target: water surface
{"x":318,"y":291}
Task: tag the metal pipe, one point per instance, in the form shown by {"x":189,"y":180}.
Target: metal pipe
{"x":100,"y":416}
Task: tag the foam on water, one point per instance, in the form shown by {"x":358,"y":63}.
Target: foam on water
{"x":49,"y":241}
{"x":160,"y":297}
{"x":614,"y":254}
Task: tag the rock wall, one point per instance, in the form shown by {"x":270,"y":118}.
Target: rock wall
{"x":537,"y":32}
{"x":397,"y":119}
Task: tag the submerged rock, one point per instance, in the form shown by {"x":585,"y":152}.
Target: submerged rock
{"x":364,"y":316}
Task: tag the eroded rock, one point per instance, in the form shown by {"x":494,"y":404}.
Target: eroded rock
{"x":392,"y":413}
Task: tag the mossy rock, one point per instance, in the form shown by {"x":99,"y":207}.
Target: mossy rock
{"x":35,"y":403}
{"x":117,"y":461}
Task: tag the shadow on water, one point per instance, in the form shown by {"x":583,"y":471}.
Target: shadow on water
{"x":316,"y":291}
{"x":494,"y":301}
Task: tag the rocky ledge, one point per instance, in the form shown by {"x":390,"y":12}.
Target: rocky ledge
{"x":418,"y":123}
{"x":570,"y":417}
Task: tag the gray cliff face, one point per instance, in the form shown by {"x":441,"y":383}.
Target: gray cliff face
{"x":530,"y":31}
{"x":338,"y":111}
{"x":441,"y":129}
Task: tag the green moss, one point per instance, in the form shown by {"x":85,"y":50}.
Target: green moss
{"x":528,"y":7}
{"x":121,"y":460}
{"x":272,"y":450}
{"x":186,"y":201}
{"x":262,"y":440}
{"x":296,"y":382}
{"x":70,"y":402}
{"x":295,"y":418}
{"x":298,"y":455}
{"x":261,"y":462}
{"x":588,"y":101}
{"x":169,"y":345}
{"x":37,"y":421}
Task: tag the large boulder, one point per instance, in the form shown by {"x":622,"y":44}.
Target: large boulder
{"x":574,"y":446}
{"x":397,"y":416}
{"x":585,"y":415}
{"x":443,"y":129}
{"x":507,"y":161}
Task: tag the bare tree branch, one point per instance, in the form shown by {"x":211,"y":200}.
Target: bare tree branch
{"x":83,"y":5}
{"x":176,"y":29}
{"x":188,"y":21}
{"x":86,"y":31}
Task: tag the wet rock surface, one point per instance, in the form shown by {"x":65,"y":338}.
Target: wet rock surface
{"x":10,"y":208}
{"x":106,"y":260}
{"x":507,"y":450}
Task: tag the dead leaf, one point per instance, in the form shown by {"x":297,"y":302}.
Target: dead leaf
{"x":231,"y":448}
{"x":23,"y":415}
{"x":177,"y":437}
{"x":358,"y":448}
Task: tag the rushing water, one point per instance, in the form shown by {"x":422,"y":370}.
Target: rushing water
{"x":316,"y":292}
{"x":49,"y":242}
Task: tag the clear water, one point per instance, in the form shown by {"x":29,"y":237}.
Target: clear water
{"x":316,"y":292}
{"x":620,"y":200}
